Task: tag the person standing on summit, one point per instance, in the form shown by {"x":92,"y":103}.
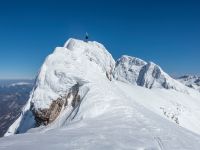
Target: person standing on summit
{"x":86,"y":37}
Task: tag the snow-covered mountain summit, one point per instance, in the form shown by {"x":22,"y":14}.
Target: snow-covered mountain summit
{"x":79,"y":102}
{"x":146,"y":74}
{"x":190,"y":81}
{"x":76,"y":62}
{"x":62,"y":74}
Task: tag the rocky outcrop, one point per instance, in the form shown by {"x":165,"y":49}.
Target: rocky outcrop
{"x":109,"y":75}
{"x":46,"y":116}
{"x":149,"y":74}
{"x":73,"y":93}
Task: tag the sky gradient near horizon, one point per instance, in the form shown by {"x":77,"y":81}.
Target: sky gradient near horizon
{"x":165,"y":32}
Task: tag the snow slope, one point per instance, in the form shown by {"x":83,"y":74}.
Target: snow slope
{"x":190,"y":81}
{"x":180,"y":108}
{"x":111,"y":114}
{"x":108,"y":118}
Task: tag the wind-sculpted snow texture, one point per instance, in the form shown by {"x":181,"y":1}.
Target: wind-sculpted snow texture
{"x":98,"y":104}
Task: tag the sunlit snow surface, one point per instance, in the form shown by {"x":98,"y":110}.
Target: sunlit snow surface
{"x":109,"y":118}
{"x":112,"y":114}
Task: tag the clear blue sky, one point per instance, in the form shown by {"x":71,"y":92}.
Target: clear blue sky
{"x":163,"y":31}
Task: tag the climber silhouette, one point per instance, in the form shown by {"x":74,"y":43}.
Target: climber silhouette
{"x":86,"y":37}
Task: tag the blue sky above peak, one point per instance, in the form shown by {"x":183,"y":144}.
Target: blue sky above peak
{"x":165,"y":32}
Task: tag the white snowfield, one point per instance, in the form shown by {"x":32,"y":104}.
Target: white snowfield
{"x":112,"y":114}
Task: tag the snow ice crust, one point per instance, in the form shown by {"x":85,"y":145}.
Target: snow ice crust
{"x":157,"y":114}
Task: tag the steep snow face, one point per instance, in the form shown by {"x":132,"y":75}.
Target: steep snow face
{"x":190,"y":81}
{"x":146,"y":74}
{"x":127,"y":68}
{"x":77,"y":63}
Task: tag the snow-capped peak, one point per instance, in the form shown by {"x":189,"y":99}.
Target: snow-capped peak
{"x":66,"y":69}
{"x":125,"y":59}
{"x":75,"y":44}
{"x":189,"y":77}
{"x":142,"y":73}
{"x":191,"y":81}
{"x":77,"y":61}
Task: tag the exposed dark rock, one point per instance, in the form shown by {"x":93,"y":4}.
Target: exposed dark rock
{"x":74,"y":93}
{"x":109,"y":74}
{"x":46,"y":116}
{"x":141,"y":79}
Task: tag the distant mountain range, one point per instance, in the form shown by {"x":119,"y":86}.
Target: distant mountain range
{"x":190,"y":81}
{"x":13,"y":96}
